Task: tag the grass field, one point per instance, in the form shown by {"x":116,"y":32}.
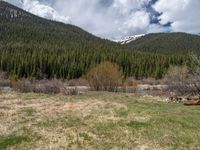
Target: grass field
{"x":96,"y":120}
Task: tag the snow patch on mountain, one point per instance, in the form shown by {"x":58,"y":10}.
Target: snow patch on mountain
{"x":129,"y":39}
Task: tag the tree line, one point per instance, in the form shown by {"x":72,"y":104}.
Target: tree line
{"x":23,"y":62}
{"x":32,"y":47}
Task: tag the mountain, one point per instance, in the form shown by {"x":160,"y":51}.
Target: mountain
{"x":129,"y":39}
{"x":167,"y":43}
{"x":39,"y":9}
{"x":21,"y":24}
{"x":33,"y":47}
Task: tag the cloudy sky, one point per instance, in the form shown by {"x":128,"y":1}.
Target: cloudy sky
{"x":114,"y":19}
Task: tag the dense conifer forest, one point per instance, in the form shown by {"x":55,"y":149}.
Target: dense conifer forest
{"x":33,"y":47}
{"x":167,"y":43}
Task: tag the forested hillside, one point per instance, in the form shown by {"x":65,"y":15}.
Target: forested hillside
{"x":167,"y":43}
{"x":35,"y":47}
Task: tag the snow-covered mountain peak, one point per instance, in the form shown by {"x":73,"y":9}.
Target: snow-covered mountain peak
{"x":129,"y":39}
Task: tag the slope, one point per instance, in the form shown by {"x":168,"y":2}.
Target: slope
{"x":33,"y":47}
{"x":167,"y":43}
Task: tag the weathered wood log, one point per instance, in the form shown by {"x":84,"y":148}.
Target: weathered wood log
{"x":192,"y":102}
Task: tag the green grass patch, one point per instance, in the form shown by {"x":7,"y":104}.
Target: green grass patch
{"x":12,"y":140}
{"x":85,"y":136}
{"x":137,"y":124}
{"x":65,"y":121}
{"x":29,"y":111}
{"x":122,"y":112}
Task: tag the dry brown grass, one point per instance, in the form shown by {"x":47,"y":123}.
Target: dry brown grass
{"x":43,"y":111}
{"x":97,"y":120}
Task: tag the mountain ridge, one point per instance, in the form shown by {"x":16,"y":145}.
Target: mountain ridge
{"x":33,"y":47}
{"x":167,"y":43}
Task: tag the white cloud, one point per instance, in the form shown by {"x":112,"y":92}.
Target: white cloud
{"x":18,"y":3}
{"x":183,"y":14}
{"x":114,"y":19}
{"x":136,"y":22}
{"x":106,"y":18}
{"x":125,"y":6}
{"x":119,"y":18}
{"x":156,"y":28}
{"x":40,"y":9}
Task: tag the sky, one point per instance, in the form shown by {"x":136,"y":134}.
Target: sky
{"x":115,"y":19}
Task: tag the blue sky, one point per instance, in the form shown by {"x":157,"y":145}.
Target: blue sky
{"x":114,"y":19}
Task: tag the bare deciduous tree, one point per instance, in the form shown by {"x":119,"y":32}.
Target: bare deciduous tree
{"x":195,"y":78}
{"x":186,"y":82}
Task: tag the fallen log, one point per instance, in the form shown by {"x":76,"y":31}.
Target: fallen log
{"x":192,"y":103}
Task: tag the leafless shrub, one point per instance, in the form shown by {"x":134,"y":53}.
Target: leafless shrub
{"x":77,"y":82}
{"x":177,"y":73}
{"x":131,"y":81}
{"x":105,"y":76}
{"x":151,"y":81}
{"x":4,"y":81}
{"x":43,"y":86}
{"x":195,"y":78}
{"x":183,"y":81}
{"x":69,"y":91}
{"x":47,"y":86}
{"x":22,"y":86}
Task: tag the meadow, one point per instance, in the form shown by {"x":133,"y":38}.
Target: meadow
{"x":96,"y":120}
